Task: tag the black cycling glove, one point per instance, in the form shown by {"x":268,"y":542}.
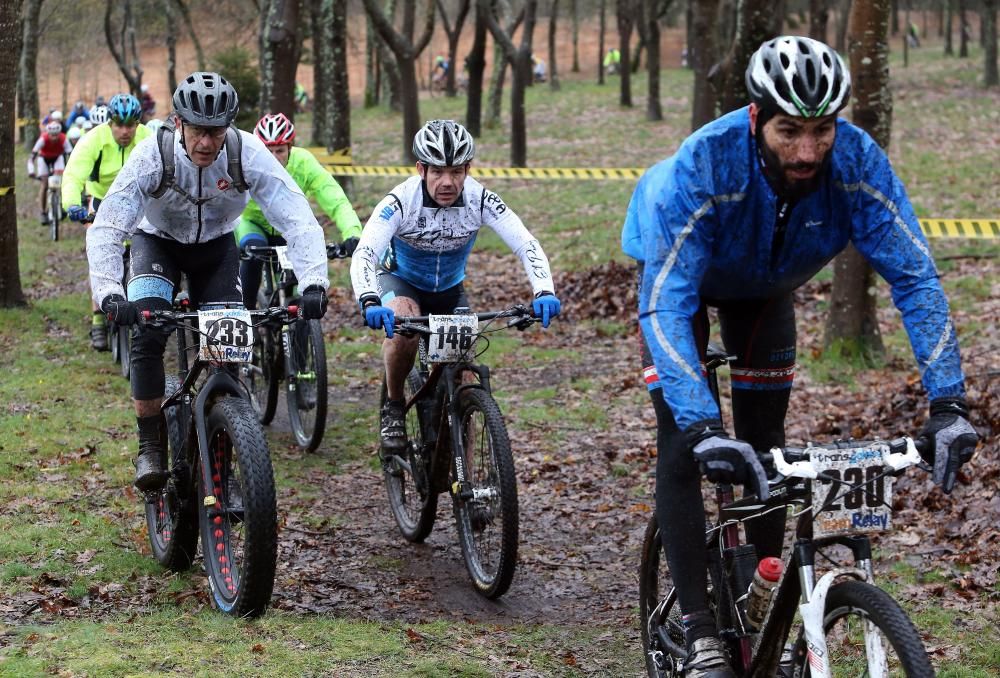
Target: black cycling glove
{"x":724,"y":459}
{"x":949,"y":440}
{"x":120,"y":310}
{"x":314,"y":302}
{"x":349,"y":245}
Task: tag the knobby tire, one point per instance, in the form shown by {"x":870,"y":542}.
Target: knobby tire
{"x":412,"y":498}
{"x":656,"y":585}
{"x":488,"y":527}
{"x":265,"y":368}
{"x":55,"y":213}
{"x":240,"y":532}
{"x":306,"y":393}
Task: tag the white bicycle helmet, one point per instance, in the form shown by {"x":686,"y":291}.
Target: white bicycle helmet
{"x":53,"y":128}
{"x":798,"y":76}
{"x":74,"y":134}
{"x":275,"y":130}
{"x":443,"y":143}
{"x":99,"y":115}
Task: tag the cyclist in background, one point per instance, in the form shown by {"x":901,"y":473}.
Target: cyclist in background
{"x":96,"y":160}
{"x":74,"y":134}
{"x":412,"y":254}
{"x":79,"y":111}
{"x":278,"y":134}
{"x":182,"y":223}
{"x":301,"y":99}
{"x":750,"y":207}
{"x":48,"y":155}
{"x":148,"y":104}
{"x":54,"y":115}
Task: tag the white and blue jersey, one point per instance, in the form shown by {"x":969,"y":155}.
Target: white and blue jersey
{"x":427,"y":245}
{"x":703,"y":223}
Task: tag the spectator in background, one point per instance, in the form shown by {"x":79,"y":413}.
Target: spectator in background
{"x":148,"y":104}
{"x":301,"y":99}
{"x":537,"y":69}
{"x":613,"y":61}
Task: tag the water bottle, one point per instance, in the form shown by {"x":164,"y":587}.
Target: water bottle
{"x":765,"y":581}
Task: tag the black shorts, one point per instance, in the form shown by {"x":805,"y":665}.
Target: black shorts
{"x":391,"y":286}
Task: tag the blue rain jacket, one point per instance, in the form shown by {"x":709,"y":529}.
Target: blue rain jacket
{"x":702,"y":222}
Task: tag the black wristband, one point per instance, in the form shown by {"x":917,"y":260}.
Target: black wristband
{"x":367,"y":300}
{"x":950,"y":406}
{"x":700,"y":430}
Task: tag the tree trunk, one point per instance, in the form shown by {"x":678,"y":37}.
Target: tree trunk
{"x":453,"y":36}
{"x":406,"y":52}
{"x":11,"y":293}
{"x":625,"y":19}
{"x":852,"y":326}
{"x":553,"y":70}
{"x":477,"y":65}
{"x":755,"y":24}
{"x":603,"y":27}
{"x":949,"y":49}
{"x":321,"y":21}
{"x":170,"y":18}
{"x":819,"y":17}
{"x":500,"y":62}
{"x":29,"y":73}
{"x":654,"y":110}
{"x":894,"y":16}
{"x":132,"y":72}
{"x":963,"y":30}
{"x":575,"y":11}
{"x":989,"y":29}
{"x":519,"y":58}
{"x":845,"y":11}
{"x":279,"y":56}
{"x":199,"y":52}
{"x":701,"y":56}
{"x":371,"y":64}
{"x":339,"y":100}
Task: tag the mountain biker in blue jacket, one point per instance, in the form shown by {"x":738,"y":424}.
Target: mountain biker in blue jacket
{"x":750,"y":207}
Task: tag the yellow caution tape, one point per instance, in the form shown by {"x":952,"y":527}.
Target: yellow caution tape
{"x":493,"y":172}
{"x":338,"y":157}
{"x":4,"y":190}
{"x":24,"y":122}
{"x":961,"y":228}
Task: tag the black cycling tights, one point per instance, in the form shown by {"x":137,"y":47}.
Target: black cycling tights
{"x":762,"y":336}
{"x":212,"y":269}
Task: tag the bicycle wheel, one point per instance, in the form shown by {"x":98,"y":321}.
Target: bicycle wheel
{"x":850,"y":606}
{"x":305,"y":388}
{"x":171,"y":517}
{"x":125,"y":350}
{"x":239,"y":524}
{"x":116,"y":353}
{"x":412,"y":496}
{"x":261,"y":375}
{"x":488,"y":521}
{"x":659,"y":613}
{"x":55,"y":213}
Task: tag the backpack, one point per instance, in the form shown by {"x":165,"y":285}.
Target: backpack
{"x":234,"y":151}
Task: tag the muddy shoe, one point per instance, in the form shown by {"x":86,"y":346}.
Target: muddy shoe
{"x":150,"y":475}
{"x":707,"y":659}
{"x":44,"y":218}
{"x":393,"y":428}
{"x":99,"y":337}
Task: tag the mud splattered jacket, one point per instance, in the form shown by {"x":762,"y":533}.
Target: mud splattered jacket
{"x":703,"y":222}
{"x":430,"y":244}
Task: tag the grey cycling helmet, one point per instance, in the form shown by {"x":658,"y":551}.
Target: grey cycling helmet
{"x":443,"y":143}
{"x":206,"y":99}
{"x":798,"y":76}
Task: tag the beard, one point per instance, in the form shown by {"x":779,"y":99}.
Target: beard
{"x":777,"y":172}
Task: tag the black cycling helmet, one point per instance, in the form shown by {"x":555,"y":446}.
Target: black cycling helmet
{"x":207,"y":100}
{"x":798,"y":76}
{"x":443,"y":143}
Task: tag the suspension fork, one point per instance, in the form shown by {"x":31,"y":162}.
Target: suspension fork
{"x":461,"y":489}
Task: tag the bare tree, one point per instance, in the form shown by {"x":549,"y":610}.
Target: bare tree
{"x":755,"y":23}
{"x":28,"y":73}
{"x":651,"y":19}
{"x":603,"y":28}
{"x":852,"y":326}
{"x":171,"y":25}
{"x":702,"y":49}
{"x":574,"y":9}
{"x":406,"y":52}
{"x":477,"y":65}
{"x":989,"y":30}
{"x":519,"y":58}
{"x":553,"y":69}
{"x":501,"y":8}
{"x":949,"y":49}
{"x":339,"y":103}
{"x":280,"y":48}
{"x":840,"y":44}
{"x":625,"y":15}
{"x":321,"y":30}
{"x":819,"y":16}
{"x":11,"y":293}
{"x":372,"y":71}
{"x":453,"y":34}
{"x":963,"y":32}
{"x":186,"y":16}
{"x":124,"y":45}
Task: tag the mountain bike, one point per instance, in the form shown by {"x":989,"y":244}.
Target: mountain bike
{"x":54,"y":201}
{"x":221,"y":484}
{"x":458,"y":443}
{"x":120,"y":338}
{"x":293,"y":353}
{"x":840,"y":624}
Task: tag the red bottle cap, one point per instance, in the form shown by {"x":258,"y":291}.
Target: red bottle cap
{"x":770,"y":568}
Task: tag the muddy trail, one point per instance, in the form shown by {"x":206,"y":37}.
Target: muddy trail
{"x":585,"y":475}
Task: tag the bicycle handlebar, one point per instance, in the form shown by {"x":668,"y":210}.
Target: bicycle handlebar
{"x":518,"y":316}
{"x":266,"y":252}
{"x":167,"y":317}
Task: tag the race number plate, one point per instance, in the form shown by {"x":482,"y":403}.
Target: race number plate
{"x":226,"y":335}
{"x":452,"y":338}
{"x":283,"y":260}
{"x":860,"y":499}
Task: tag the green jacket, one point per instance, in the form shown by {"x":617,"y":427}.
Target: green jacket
{"x":95,"y":162}
{"x":317,"y":184}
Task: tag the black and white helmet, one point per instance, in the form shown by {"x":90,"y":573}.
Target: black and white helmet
{"x":206,"y":99}
{"x":798,"y":76}
{"x":443,"y":143}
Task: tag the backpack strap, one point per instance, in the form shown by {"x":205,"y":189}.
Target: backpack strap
{"x":165,"y":140}
{"x":234,"y":151}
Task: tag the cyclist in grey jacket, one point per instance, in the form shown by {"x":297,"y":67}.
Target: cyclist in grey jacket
{"x":181,"y":222}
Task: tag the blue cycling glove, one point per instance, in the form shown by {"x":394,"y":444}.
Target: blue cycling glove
{"x":376,"y":315}
{"x":77,"y":213}
{"x":546,"y":306}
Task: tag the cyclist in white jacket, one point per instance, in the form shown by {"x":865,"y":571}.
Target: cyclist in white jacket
{"x":180,"y":213}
